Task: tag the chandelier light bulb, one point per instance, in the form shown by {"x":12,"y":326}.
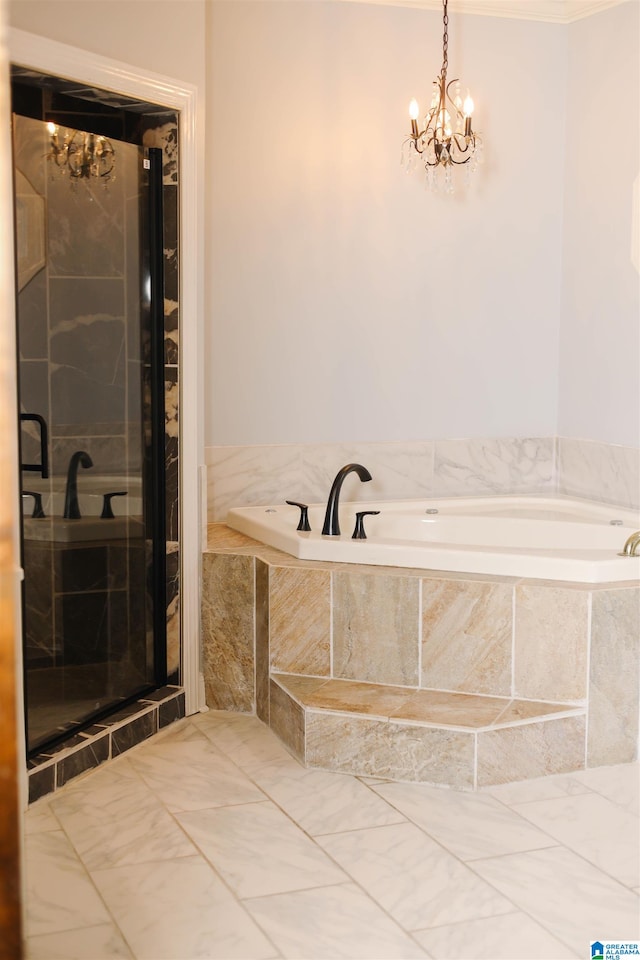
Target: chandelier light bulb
{"x":52,"y":128}
{"x":445,"y":138}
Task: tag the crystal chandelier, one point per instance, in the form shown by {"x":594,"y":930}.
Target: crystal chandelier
{"x":81,"y":155}
{"x":446,"y":138}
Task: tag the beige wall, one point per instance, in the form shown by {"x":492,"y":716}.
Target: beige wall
{"x":599,"y":390}
{"x":345,"y":302}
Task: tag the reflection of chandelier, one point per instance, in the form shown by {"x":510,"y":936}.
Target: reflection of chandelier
{"x":446,"y":138}
{"x":81,"y":155}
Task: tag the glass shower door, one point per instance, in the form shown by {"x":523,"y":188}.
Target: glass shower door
{"x":90,"y":488}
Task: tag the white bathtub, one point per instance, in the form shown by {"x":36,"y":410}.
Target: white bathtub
{"x":552,"y":539}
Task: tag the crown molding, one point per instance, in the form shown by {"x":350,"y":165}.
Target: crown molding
{"x":549,"y":11}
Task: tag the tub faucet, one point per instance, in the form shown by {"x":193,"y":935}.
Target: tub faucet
{"x":632,"y":546}
{"x":331,"y":526}
{"x":71,"y":507}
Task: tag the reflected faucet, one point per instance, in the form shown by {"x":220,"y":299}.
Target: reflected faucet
{"x":71,"y":507}
{"x":331,"y":526}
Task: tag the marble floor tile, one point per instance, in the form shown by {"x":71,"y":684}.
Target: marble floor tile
{"x":540,"y":788}
{"x":619,"y":783}
{"x":331,"y":922}
{"x":322,"y":802}
{"x":412,"y":877}
{"x":245,"y":739}
{"x":452,"y":818}
{"x":571,"y":898}
{"x":104,"y":942}
{"x":60,"y":894}
{"x":39,"y":818}
{"x":594,"y":827}
{"x":112,"y":818}
{"x":193,"y":775}
{"x":179,"y":910}
{"x":258,"y":850}
{"x":513,"y":936}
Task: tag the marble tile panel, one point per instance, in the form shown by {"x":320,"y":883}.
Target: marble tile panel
{"x":512,"y":936}
{"x":466,"y":636}
{"x":551,"y":642}
{"x":452,"y":817}
{"x":259,"y":852}
{"x":180,"y":909}
{"x":454,"y":709}
{"x":287,"y":720}
{"x":593,"y":827}
{"x":173,"y":608}
{"x":139,"y":729}
{"x":86,"y":225}
{"x":322,"y":802}
{"x":59,"y":892}
{"x":619,"y":783}
{"x":193,"y":775}
{"x":377,"y":748}
{"x":375,"y":628}
{"x":42,"y":782}
{"x":349,"y":696}
{"x":241,"y":476}
{"x":262,"y":640}
{"x":417,"y":882}
{"x":103,"y":942}
{"x":114,"y":819}
{"x":399,"y":470}
{"x":228,"y":631}
{"x":337,"y":921}
{"x":80,"y":760}
{"x":32,"y":314}
{"x":300,"y":620}
{"x":530,"y":750}
{"x":614,"y":677}
{"x":483,"y":466}
{"x":568,"y":896}
{"x":599,"y":471}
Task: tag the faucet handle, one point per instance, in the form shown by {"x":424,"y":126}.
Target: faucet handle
{"x":358,"y":531}
{"x":303,"y":523}
{"x":107,"y":509}
{"x":38,"y":513}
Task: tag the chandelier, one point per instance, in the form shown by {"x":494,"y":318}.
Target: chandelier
{"x":81,"y":155}
{"x":446,"y":138}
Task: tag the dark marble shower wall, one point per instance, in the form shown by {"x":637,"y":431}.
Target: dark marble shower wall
{"x":79,"y":304}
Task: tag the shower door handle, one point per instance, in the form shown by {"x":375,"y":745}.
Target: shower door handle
{"x":43,"y":467}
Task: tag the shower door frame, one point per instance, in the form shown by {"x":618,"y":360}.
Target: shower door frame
{"x":72,"y":63}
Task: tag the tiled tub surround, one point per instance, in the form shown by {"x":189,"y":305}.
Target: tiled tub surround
{"x":458,"y":679}
{"x":245,"y":475}
{"x":108,"y":738}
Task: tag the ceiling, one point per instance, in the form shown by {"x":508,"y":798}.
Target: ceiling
{"x":553,"y":11}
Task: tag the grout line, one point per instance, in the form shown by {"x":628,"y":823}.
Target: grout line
{"x":588,"y":678}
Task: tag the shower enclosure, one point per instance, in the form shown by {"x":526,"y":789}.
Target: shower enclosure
{"x":89,"y":280}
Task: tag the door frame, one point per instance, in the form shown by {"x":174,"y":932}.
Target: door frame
{"x":60,"y":59}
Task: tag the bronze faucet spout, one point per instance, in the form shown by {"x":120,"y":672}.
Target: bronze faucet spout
{"x":331,"y":526}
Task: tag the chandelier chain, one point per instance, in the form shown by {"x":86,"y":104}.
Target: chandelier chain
{"x":445,"y":41}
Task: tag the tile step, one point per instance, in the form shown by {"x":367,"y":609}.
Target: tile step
{"x":466,"y":711}
{"x":460,"y":740}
